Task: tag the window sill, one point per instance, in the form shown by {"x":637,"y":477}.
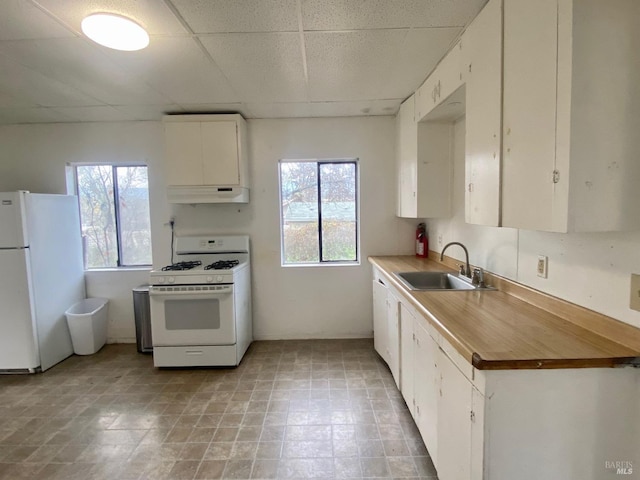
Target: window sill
{"x":327,"y":264}
{"x":118,"y":269}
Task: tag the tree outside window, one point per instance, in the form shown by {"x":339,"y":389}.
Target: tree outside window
{"x":319,"y":211}
{"x":114,"y":215}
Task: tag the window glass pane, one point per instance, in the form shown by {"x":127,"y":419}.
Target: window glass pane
{"x":97,"y":215}
{"x":338,"y":209}
{"x":133,"y":203}
{"x":299,"y":186}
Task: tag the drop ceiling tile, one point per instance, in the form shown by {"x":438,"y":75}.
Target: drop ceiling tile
{"x":179,"y":69}
{"x":213,"y":108}
{"x":372,"y":14}
{"x":80,"y":64}
{"x":101,"y":113}
{"x":11,"y":116}
{"x":347,"y":66}
{"x":262,"y":67}
{"x":29,"y":86}
{"x":153,"y":15}
{"x":20,"y":20}
{"x":279,"y":110}
{"x":148,"y":112}
{"x":225,"y":16}
{"x":9,"y":101}
{"x":372,"y":64}
{"x":355,"y":109}
{"x":421,"y":51}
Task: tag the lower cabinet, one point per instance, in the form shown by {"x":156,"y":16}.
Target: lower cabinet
{"x":455,"y":415}
{"x":426,"y":388}
{"x":407,"y":362}
{"x":380,"y":329}
{"x":393,"y":346}
{"x":552,"y":424}
{"x":386,"y":326}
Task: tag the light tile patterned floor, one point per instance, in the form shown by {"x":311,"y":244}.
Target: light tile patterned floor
{"x":293,"y":409}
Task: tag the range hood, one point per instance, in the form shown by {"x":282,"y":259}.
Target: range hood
{"x":207,"y":194}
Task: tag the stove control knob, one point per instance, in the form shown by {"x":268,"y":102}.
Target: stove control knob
{"x":209,"y":279}
{"x":160,"y":279}
{"x":172,"y":279}
{"x":218,"y":279}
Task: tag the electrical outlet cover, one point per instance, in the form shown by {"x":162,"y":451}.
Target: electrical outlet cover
{"x":634,"y":297}
{"x":542,"y":266}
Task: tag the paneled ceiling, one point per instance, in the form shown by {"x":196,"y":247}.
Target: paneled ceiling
{"x":262,"y":58}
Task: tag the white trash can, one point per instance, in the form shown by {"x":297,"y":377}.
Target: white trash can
{"x":87,"y":322}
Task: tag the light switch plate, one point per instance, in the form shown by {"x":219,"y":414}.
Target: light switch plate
{"x":634,"y":297}
{"x":543,"y":262}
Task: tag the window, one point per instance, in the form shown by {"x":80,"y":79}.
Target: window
{"x":114,"y":214}
{"x":319,"y":211}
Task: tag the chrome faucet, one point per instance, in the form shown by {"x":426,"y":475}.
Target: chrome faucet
{"x":478,"y":278}
{"x":463,"y":271}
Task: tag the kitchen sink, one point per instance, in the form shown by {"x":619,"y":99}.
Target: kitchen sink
{"x":435,"y":281}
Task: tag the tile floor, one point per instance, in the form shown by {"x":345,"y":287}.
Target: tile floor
{"x":292,"y":409}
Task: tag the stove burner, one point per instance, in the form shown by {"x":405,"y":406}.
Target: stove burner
{"x":222,"y":265}
{"x":183,"y":265}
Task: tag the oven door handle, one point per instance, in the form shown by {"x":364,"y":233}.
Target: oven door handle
{"x":190,"y":290}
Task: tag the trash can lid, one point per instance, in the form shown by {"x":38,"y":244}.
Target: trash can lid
{"x":142,"y":288}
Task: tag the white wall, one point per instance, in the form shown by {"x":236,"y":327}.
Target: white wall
{"x":313,"y":302}
{"x":592,"y":270}
{"x":117,"y":286}
{"x":33,"y":157}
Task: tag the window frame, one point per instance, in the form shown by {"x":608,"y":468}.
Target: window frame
{"x":116,"y":208}
{"x":319,"y":162}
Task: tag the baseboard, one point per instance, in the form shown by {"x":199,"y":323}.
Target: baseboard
{"x":298,"y":336}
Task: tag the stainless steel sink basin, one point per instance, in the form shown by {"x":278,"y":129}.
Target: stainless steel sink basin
{"x":435,"y":281}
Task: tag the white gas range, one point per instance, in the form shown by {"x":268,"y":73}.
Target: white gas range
{"x":201,"y":305}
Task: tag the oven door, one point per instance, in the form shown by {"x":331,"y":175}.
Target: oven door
{"x":192,"y":315}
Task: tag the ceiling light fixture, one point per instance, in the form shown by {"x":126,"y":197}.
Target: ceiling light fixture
{"x":115,"y":31}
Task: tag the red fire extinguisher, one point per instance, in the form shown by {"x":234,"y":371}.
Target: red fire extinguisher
{"x":422,"y":244}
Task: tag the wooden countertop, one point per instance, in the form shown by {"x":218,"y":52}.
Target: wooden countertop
{"x":498,"y":330}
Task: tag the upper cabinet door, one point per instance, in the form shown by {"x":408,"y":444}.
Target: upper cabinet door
{"x":206,"y":150}
{"x":482,"y":68}
{"x":449,"y":73}
{"x":529,"y":109}
{"x":443,"y":81}
{"x":220,"y":153}
{"x":407,"y":158}
{"x":183,"y":153}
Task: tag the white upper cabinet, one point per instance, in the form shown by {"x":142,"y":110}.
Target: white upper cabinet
{"x":571,"y":109}
{"x":482,"y":68}
{"x":204,"y":151}
{"x":406,"y":160}
{"x":443,"y":81}
{"x":423,"y":165}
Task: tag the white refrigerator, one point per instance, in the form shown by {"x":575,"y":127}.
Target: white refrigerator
{"x":41,"y":276}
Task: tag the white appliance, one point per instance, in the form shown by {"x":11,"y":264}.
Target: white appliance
{"x":201,"y":305}
{"x":41,"y":276}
